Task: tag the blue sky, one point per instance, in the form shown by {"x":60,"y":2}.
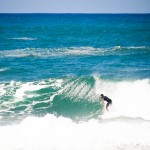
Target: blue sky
{"x":74,"y":6}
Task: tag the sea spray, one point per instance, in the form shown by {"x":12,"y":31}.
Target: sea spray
{"x":130,"y":98}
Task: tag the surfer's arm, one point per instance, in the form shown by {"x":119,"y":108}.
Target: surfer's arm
{"x":102,"y":102}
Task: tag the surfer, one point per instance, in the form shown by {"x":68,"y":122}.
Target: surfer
{"x":108,"y":100}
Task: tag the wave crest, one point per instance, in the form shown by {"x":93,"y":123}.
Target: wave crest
{"x":70,"y":51}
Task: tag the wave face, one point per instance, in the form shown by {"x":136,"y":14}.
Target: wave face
{"x":53,"y":68}
{"x":70,"y":97}
{"x":76,"y":98}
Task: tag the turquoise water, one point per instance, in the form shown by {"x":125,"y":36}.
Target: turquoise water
{"x":53,"y":67}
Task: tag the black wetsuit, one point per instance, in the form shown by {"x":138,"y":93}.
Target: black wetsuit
{"x":108,"y":100}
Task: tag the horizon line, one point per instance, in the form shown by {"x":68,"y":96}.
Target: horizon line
{"x":67,"y":13}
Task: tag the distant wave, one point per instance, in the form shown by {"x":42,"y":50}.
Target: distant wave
{"x":137,"y":47}
{"x":67,"y":51}
{"x":3,"y":69}
{"x":24,"y":38}
{"x":131,"y":47}
{"x":50,"y":52}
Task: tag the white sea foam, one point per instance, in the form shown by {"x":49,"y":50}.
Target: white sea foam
{"x":20,"y":90}
{"x":117,"y":47}
{"x":2,"y":90}
{"x":130,"y":98}
{"x":14,"y":53}
{"x":27,"y":87}
{"x":4,"y":69}
{"x":136,"y":47}
{"x":24,"y":38}
{"x":51,"y":133}
{"x":131,"y":47}
{"x":83,"y":51}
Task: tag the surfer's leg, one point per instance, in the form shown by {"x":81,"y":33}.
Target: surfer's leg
{"x":107,"y":106}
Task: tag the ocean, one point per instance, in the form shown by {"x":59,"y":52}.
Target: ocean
{"x":53,"y":68}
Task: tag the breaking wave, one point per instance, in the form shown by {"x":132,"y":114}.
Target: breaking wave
{"x":76,"y":98}
{"x":72,"y":116}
